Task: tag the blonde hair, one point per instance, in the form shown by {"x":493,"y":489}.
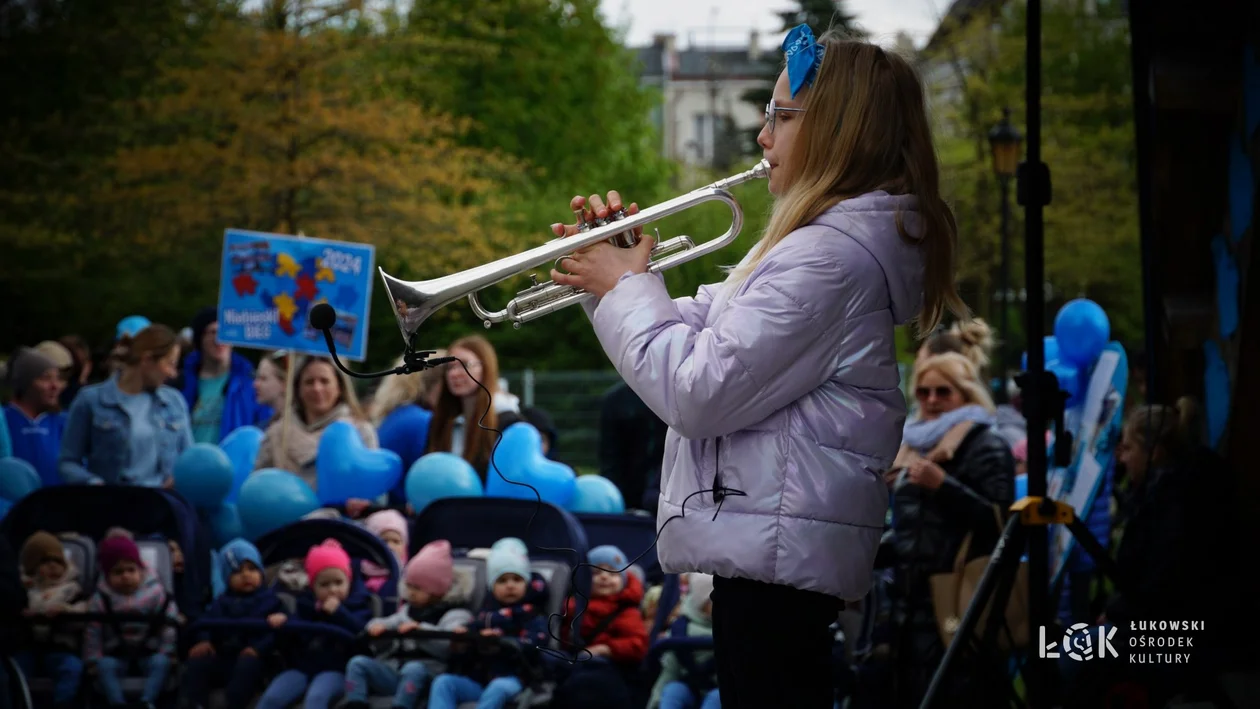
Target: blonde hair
{"x":348,"y":396}
{"x":865,"y":128}
{"x":961,"y":373}
{"x":971,"y":338}
{"x":400,"y":391}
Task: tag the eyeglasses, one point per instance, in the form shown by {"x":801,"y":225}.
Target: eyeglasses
{"x":773,"y":110}
{"x":941,"y":392}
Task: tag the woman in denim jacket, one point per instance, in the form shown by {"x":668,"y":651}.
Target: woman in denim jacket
{"x":130,"y":428}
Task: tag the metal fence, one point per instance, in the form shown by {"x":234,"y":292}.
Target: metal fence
{"x":572,"y":399}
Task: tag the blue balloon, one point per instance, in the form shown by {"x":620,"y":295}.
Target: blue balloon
{"x":5,"y":506}
{"x":203,"y":475}
{"x":1050,"y":348}
{"x":519,"y":458}
{"x":241,"y":447}
{"x":438,"y":475}
{"x":17,"y":479}
{"x":345,"y":468}
{"x":596,"y":493}
{"x":224,"y":522}
{"x":130,"y":325}
{"x":1083,"y":330}
{"x":272,"y":498}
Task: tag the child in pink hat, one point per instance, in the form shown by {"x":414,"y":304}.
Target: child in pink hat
{"x":433,"y":601}
{"x":390,"y":527}
{"x":316,"y":661}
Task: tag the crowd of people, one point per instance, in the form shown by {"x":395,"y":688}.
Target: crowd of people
{"x":126,"y":420}
{"x":776,"y":393}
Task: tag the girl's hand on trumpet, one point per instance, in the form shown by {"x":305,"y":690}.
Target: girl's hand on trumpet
{"x":597,"y":268}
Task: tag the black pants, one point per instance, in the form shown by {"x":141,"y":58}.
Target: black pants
{"x":772,"y":645}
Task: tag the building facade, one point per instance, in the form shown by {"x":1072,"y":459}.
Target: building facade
{"x":703,"y":114}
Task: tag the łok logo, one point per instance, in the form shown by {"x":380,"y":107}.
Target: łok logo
{"x":1078,"y":643}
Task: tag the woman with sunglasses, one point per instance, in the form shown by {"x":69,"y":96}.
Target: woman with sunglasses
{"x":952,"y":473}
{"x":780,"y":385}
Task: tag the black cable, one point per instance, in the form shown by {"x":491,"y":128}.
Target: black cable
{"x":323,"y":318}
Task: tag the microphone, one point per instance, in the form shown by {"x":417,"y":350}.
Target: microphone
{"x":324,"y":318}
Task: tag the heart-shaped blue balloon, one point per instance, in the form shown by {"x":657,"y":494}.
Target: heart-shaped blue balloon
{"x":437,"y":475}
{"x":18,"y":479}
{"x":346,"y":469}
{"x":203,"y":475}
{"x":241,"y":447}
{"x":224,"y":523}
{"x":519,"y":457}
{"x":272,"y":498}
{"x":596,"y":493}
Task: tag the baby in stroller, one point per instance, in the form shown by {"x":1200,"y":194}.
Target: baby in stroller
{"x":514,"y":610}
{"x":115,"y":649}
{"x":316,"y":664}
{"x":403,"y":667}
{"x":233,"y":659}
{"x":52,"y":590}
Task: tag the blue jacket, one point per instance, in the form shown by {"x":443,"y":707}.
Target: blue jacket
{"x":233,"y":606}
{"x":325,"y":653}
{"x":525,"y":622}
{"x":405,"y":431}
{"x":240,"y":407}
{"x":37,"y":442}
{"x":96,"y":443}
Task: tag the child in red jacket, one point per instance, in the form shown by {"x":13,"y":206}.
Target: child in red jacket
{"x":612,"y":631}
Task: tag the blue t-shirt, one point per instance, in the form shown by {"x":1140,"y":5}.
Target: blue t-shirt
{"x":207,"y":415}
{"x":144,"y":435}
{"x":37,"y":442}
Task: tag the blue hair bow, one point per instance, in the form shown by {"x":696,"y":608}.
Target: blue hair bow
{"x":804,"y":55}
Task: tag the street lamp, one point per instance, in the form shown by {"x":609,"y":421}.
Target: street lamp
{"x":1004,"y":141}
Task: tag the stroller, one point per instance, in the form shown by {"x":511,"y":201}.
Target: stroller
{"x":285,"y":547}
{"x":556,"y":542}
{"x":80,"y":515}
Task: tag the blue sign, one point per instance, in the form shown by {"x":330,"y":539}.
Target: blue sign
{"x":269,"y":283}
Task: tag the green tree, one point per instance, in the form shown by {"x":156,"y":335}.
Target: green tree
{"x":70,"y":66}
{"x":1091,"y":224}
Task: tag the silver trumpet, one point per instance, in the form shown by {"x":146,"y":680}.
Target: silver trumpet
{"x":415,"y":301}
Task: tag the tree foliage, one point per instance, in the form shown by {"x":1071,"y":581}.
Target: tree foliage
{"x":1091,"y":225}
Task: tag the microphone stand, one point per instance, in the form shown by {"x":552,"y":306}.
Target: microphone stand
{"x":413,"y":360}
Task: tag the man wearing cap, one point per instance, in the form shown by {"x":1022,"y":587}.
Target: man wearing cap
{"x":33,"y":419}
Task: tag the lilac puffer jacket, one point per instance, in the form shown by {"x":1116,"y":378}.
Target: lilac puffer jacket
{"x":786,"y":391}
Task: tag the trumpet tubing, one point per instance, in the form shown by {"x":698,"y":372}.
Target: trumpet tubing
{"x":415,"y":301}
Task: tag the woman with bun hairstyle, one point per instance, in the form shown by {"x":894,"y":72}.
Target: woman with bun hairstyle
{"x":973,"y":339}
{"x":130,"y":428}
{"x":953,"y":477}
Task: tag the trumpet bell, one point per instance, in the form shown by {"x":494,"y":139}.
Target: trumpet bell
{"x":414,"y":302}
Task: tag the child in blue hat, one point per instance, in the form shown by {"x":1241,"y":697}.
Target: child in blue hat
{"x":233,"y":660}
{"x":514,"y":610}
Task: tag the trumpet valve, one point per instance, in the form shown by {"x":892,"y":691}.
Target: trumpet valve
{"x":625,"y":239}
